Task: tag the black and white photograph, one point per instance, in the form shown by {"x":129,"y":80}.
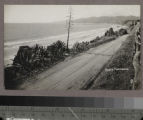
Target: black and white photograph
{"x":72,"y":47}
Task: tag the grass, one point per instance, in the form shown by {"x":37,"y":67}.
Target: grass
{"x":112,"y":77}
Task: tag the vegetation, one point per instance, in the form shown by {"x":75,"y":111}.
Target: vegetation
{"x":118,"y":79}
{"x":124,"y":58}
{"x":29,"y":60}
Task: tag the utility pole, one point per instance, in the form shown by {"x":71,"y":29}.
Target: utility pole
{"x":69,"y":27}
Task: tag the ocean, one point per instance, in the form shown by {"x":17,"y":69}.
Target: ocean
{"x":21,"y":34}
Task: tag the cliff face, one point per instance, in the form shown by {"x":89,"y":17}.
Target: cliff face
{"x":137,"y":58}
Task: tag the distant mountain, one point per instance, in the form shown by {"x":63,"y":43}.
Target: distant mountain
{"x":106,"y":19}
{"x":18,"y":31}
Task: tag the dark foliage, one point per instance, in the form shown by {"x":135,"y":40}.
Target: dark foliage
{"x":1,"y":118}
{"x":122,"y":32}
{"x":110,"y":32}
{"x":32,"y":58}
{"x":80,"y":47}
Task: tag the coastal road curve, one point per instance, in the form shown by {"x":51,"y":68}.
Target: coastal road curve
{"x":74,"y":73}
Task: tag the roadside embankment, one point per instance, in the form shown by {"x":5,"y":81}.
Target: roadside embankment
{"x":119,"y":71}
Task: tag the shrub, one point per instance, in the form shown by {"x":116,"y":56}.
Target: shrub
{"x":122,"y":32}
{"x":110,"y":32}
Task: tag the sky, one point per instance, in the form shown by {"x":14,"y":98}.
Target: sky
{"x":54,"y":13}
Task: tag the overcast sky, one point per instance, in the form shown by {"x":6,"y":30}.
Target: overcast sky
{"x":53,"y":13}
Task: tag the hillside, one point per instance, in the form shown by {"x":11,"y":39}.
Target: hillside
{"x":106,"y":19}
{"x":15,"y":31}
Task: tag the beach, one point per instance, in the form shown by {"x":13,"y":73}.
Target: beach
{"x":79,"y":33}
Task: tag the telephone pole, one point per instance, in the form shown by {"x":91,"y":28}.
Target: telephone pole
{"x":69,"y":27}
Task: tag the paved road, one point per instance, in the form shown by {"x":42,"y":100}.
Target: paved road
{"x":73,"y":73}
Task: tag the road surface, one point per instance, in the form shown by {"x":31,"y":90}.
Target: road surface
{"x":75,"y":72}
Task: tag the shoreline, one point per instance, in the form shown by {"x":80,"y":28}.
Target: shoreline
{"x":78,"y":36}
{"x":23,"y":72}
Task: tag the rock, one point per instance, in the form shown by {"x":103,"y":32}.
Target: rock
{"x":23,"y":56}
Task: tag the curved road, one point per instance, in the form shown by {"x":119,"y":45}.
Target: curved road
{"x":75,"y":72}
